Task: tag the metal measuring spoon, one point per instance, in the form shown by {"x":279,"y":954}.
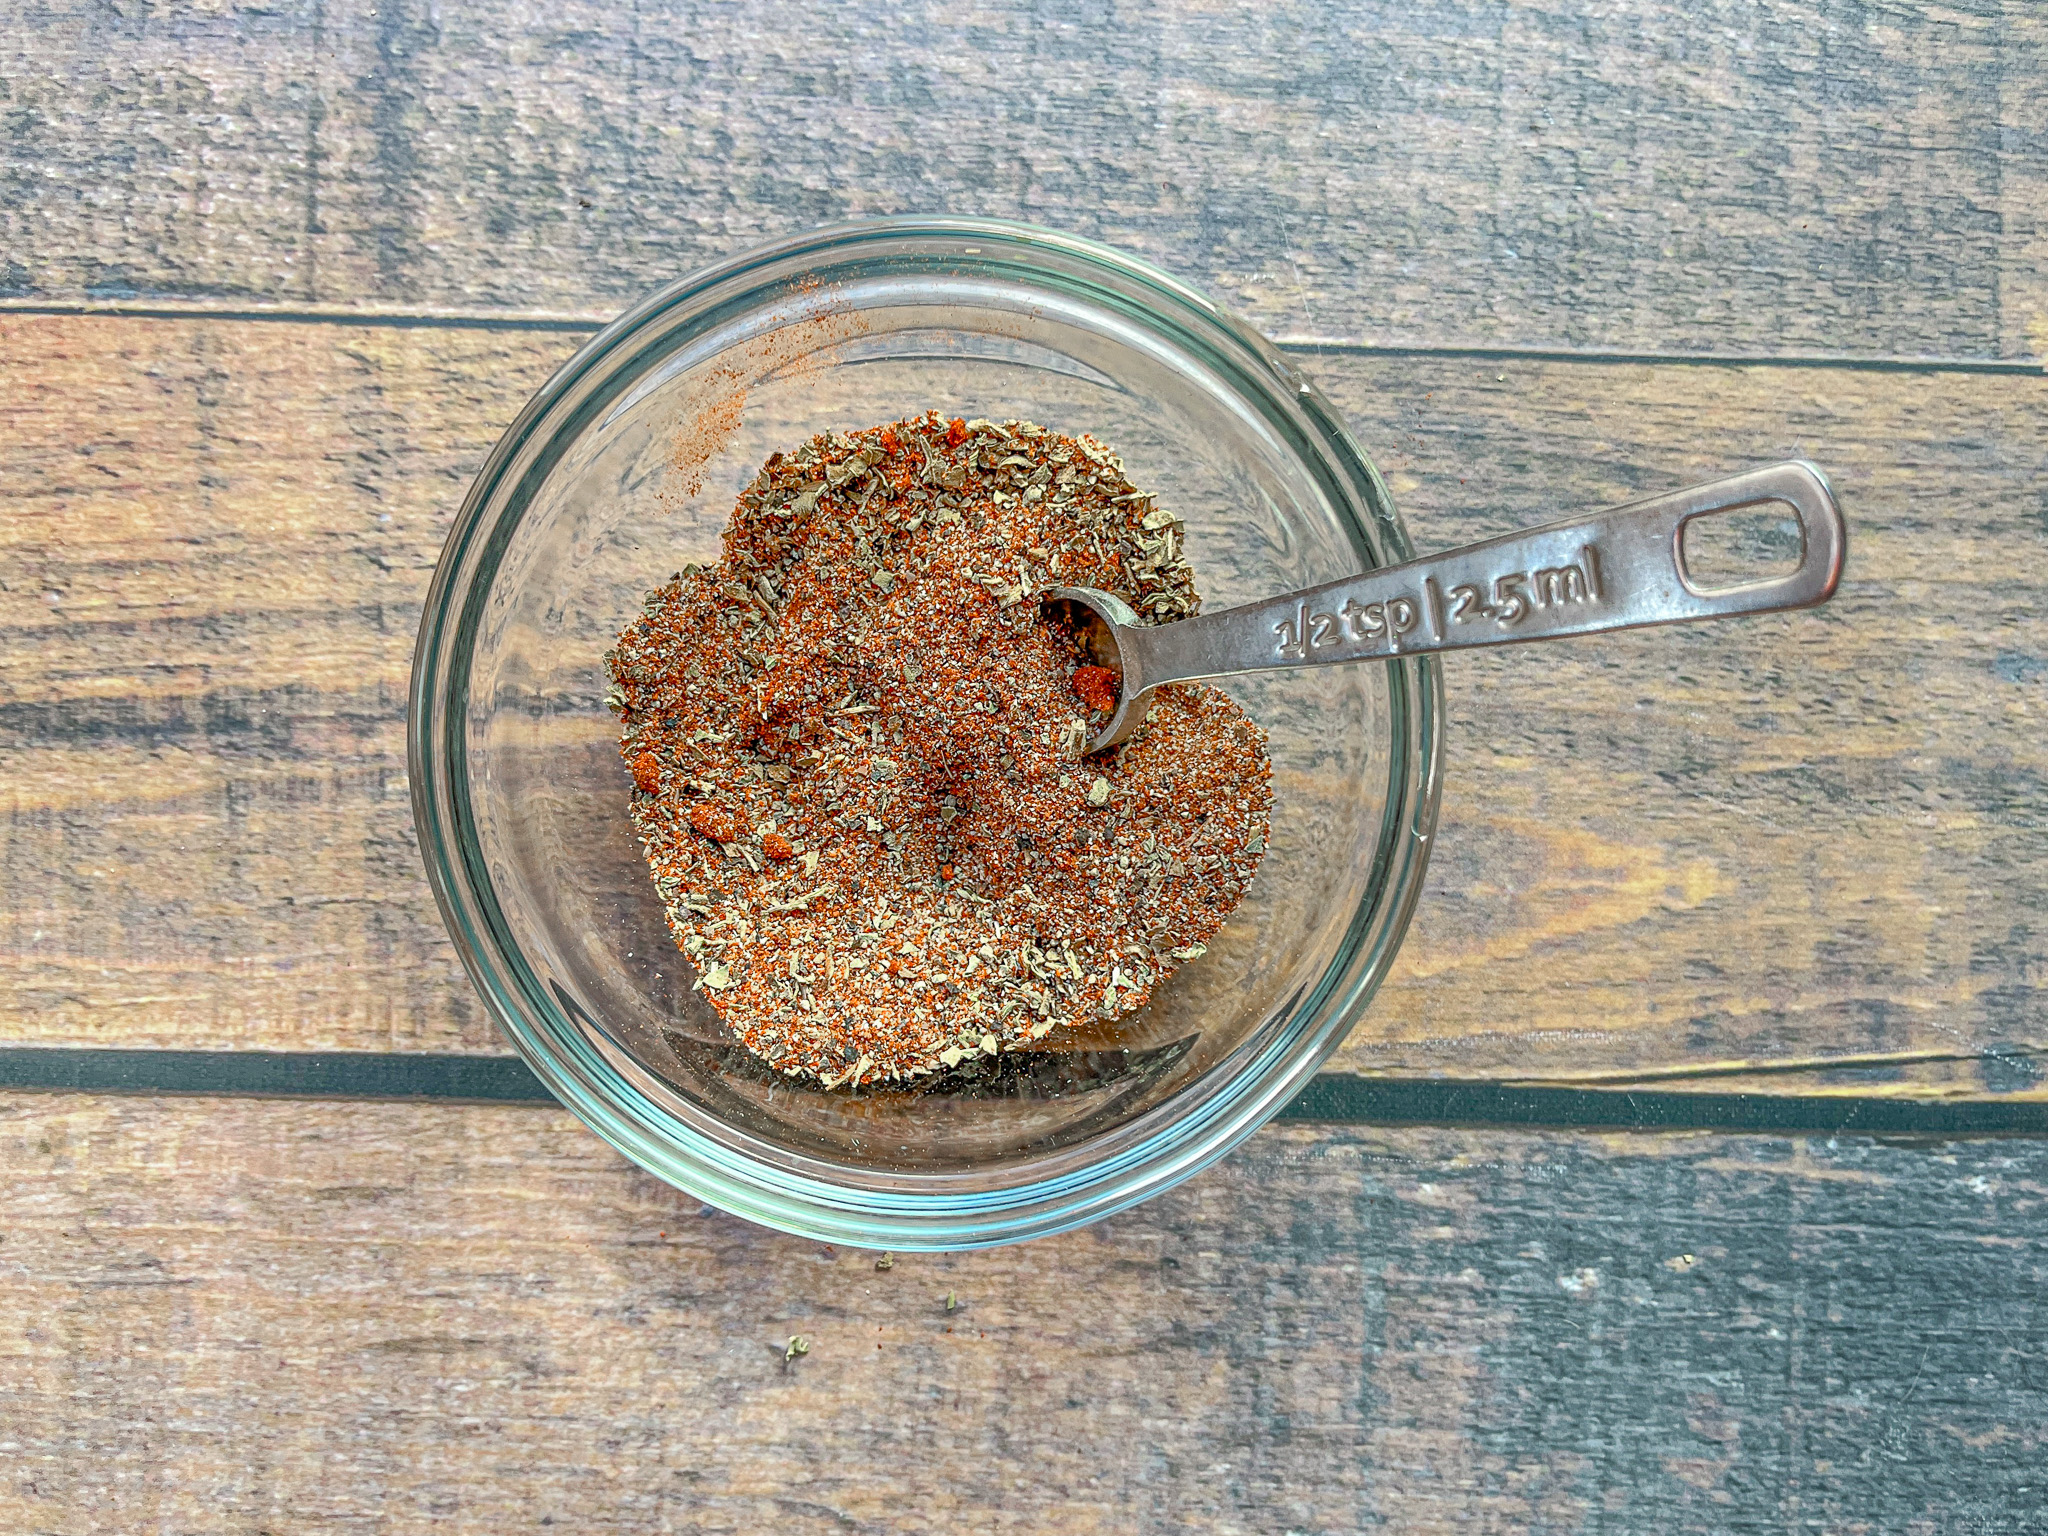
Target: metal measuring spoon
{"x":1622,"y":569}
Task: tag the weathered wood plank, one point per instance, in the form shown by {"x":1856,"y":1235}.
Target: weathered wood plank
{"x":216,"y":541}
{"x":1820,"y":175}
{"x":1685,"y":852}
{"x":1813,"y":835}
{"x":228,"y":1316}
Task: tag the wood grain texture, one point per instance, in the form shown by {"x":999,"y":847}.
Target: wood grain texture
{"x":1711,"y":846}
{"x":1854,"y":176}
{"x":216,"y":545}
{"x":1733,"y":854}
{"x":232,"y":1316}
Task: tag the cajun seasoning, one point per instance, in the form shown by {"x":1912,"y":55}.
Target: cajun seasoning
{"x":855,"y":749}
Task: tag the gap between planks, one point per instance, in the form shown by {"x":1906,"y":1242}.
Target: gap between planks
{"x":581,"y":323}
{"x":1333,"y":1098}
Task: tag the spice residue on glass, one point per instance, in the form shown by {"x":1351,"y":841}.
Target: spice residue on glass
{"x":856,"y":755}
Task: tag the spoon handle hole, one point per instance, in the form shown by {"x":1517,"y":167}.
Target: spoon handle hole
{"x":1720,"y":551}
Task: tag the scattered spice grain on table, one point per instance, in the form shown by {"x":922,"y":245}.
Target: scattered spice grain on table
{"x":855,"y":748}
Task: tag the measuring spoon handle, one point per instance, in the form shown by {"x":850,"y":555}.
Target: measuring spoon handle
{"x":1619,"y":569}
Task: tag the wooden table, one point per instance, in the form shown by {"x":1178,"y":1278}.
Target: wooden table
{"x":1583,"y":1230}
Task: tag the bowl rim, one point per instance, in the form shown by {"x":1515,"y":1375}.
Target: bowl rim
{"x":943,"y":1210}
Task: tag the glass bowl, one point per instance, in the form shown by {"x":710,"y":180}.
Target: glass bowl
{"x":625,"y":466}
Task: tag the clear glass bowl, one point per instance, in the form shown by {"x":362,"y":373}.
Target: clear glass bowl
{"x":625,"y":466}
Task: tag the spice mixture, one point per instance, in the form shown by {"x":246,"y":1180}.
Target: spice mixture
{"x":856,"y":755}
